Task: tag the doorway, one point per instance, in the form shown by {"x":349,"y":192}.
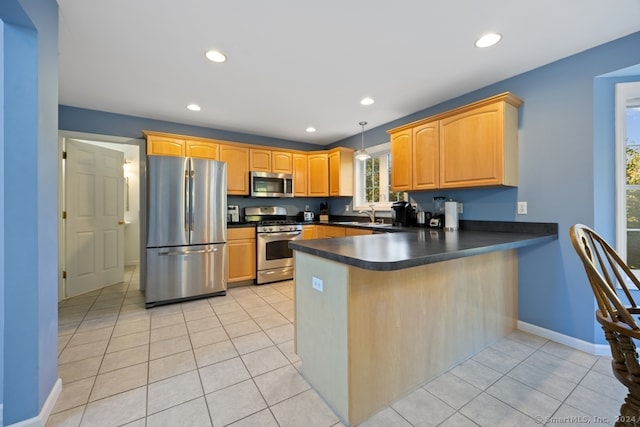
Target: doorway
{"x":130,"y":189}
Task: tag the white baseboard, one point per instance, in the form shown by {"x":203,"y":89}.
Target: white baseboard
{"x":587,"y":347}
{"x":43,"y":416}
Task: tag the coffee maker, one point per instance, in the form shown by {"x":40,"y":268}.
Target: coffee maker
{"x":402,"y":213}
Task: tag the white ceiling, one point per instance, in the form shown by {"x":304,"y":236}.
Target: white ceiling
{"x":294,"y":63}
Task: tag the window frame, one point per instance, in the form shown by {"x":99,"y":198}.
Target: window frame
{"x":624,"y":92}
{"x":358,"y":185}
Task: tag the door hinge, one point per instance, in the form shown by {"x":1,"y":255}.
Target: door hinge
{"x":64,"y":154}
{"x":64,"y":214}
{"x":64,"y":274}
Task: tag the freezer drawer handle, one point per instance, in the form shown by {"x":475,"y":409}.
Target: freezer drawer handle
{"x":200,"y":251}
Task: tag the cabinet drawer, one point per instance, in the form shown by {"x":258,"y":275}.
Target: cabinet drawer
{"x":241,"y":233}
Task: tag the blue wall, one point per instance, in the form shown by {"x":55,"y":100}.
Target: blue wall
{"x":566,"y":141}
{"x":29,"y":222}
{"x":566,"y":174}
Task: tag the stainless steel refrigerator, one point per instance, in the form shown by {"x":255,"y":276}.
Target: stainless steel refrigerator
{"x":186,"y":253}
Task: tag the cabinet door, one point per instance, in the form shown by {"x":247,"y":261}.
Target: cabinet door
{"x":471,"y":150}
{"x":202,"y":150}
{"x":426,"y":146}
{"x":401,"y":160}
{"x":281,"y":162}
{"x":241,"y":246}
{"x":300,"y":175}
{"x":237,"y":159}
{"x":330,"y":231}
{"x":165,"y":146}
{"x":259,"y":160}
{"x":242,"y":259}
{"x":356,"y":232}
{"x":318,"y":175}
{"x":308,"y":232}
{"x":341,"y":173}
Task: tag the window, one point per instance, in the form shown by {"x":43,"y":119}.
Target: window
{"x":628,"y":172}
{"x":373,"y":180}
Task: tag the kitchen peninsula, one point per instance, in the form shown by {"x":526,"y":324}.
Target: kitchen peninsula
{"x":379,"y":315}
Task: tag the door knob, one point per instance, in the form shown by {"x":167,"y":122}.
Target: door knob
{"x":121,"y":222}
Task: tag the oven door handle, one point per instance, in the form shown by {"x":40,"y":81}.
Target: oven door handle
{"x":271,"y":236}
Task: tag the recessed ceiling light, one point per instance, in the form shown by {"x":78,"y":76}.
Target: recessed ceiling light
{"x":193,"y":107}
{"x":488,"y":40}
{"x":367,"y":101}
{"x":215,"y":56}
{"x":310,"y":129}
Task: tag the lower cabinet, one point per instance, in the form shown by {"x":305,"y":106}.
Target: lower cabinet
{"x":241,"y":246}
{"x":309,"y":232}
{"x":357,"y":232}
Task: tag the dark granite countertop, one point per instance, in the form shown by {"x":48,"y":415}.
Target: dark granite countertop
{"x":410,"y":247}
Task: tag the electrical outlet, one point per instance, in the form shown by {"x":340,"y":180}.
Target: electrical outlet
{"x":522,"y":208}
{"x":346,"y":208}
{"x":306,"y":207}
{"x":317,"y":284}
{"x":460,"y":208}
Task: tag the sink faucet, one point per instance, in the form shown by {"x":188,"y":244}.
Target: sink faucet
{"x":371,"y":213}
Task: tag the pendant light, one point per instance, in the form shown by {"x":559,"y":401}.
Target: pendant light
{"x":362,"y":154}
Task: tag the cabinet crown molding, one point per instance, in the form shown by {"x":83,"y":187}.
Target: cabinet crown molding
{"x":507,"y":97}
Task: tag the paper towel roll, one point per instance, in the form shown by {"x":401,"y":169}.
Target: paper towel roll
{"x":451,"y":216}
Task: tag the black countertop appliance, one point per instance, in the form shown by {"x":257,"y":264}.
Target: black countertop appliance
{"x":402,"y":213}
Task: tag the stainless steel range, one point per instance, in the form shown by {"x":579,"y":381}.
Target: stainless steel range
{"x":274,"y":231}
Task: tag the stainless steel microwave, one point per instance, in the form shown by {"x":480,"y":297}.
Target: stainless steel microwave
{"x":268,"y":184}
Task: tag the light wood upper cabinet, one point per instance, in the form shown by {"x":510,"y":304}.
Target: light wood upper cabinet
{"x":402,"y":160}
{"x":300,"y":177}
{"x":426,"y":159}
{"x":415,"y":164}
{"x":264,"y":160}
{"x":479,"y":147}
{"x":237,"y":158}
{"x":341,"y":172}
{"x":475,"y":145}
{"x":318,"y":168}
{"x":314,"y":173}
{"x":282,"y":162}
{"x":259,"y":160}
{"x":202,"y":149}
{"x":165,"y":146}
{"x":241,"y":246}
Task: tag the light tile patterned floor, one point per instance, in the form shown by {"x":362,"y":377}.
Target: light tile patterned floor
{"x":229,"y":361}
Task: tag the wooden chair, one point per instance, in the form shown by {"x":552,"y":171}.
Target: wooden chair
{"x":608,"y":274}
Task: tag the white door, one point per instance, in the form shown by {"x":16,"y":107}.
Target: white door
{"x":94,"y":186}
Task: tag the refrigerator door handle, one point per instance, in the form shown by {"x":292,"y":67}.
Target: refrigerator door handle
{"x":187,"y":198}
{"x":192,"y":174}
{"x":199,"y":251}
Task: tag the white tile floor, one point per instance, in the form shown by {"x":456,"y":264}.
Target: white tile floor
{"x":229,"y":361}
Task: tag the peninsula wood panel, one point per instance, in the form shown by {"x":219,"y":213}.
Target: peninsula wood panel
{"x":442,"y":313}
{"x":389,"y":332}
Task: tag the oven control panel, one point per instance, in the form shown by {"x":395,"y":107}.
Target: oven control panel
{"x":279,"y":228}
